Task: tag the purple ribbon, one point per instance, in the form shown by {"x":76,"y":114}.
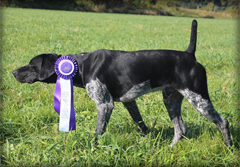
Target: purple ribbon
{"x":66,"y":68}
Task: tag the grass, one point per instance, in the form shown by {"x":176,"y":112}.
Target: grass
{"x":29,"y":133}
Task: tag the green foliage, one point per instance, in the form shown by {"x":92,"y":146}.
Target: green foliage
{"x":124,"y":5}
{"x":29,"y":133}
{"x":210,"y":6}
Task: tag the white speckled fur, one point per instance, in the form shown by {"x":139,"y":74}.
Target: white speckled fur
{"x":99,"y":94}
{"x":197,"y":101}
{"x":138,"y":90}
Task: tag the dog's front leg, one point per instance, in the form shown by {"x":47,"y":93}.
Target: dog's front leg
{"x":135,"y":114}
{"x":99,"y":94}
{"x":104,"y":113}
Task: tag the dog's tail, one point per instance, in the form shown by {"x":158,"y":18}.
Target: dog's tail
{"x":193,"y":39}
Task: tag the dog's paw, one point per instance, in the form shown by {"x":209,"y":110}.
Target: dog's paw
{"x":143,"y":129}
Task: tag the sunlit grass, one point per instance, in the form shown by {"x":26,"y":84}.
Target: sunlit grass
{"x":29,"y":125}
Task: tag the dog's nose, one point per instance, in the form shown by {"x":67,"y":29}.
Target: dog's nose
{"x":14,"y":72}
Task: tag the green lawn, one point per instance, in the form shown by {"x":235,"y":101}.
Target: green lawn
{"x":29,"y":125}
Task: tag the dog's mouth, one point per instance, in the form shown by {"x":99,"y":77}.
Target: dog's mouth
{"x":30,"y":82}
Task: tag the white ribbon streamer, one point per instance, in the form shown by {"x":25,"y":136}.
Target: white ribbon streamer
{"x":65,"y":105}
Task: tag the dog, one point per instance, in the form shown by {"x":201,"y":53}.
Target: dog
{"x":122,"y":76}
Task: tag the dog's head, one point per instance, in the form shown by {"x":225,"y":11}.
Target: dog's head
{"x":40,"y":68}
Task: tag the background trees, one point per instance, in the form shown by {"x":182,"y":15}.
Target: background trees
{"x":127,"y":6}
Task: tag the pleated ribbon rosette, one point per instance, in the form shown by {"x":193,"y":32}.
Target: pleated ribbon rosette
{"x":65,"y":68}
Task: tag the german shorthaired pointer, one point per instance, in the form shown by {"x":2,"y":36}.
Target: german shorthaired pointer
{"x":121,"y":76}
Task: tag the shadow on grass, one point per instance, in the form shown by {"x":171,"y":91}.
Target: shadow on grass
{"x":165,"y":133}
{"x":235,"y":136}
{"x":195,"y":131}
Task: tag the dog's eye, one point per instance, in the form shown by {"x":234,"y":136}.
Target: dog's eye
{"x":31,"y":64}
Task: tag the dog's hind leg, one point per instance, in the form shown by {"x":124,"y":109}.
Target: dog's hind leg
{"x":99,"y":94}
{"x":135,"y":114}
{"x":205,"y":107}
{"x":197,"y":94}
{"x":173,"y":101}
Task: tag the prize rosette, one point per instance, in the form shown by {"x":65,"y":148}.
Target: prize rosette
{"x":65,"y":68}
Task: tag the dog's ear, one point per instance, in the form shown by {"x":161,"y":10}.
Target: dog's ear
{"x":47,"y":66}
